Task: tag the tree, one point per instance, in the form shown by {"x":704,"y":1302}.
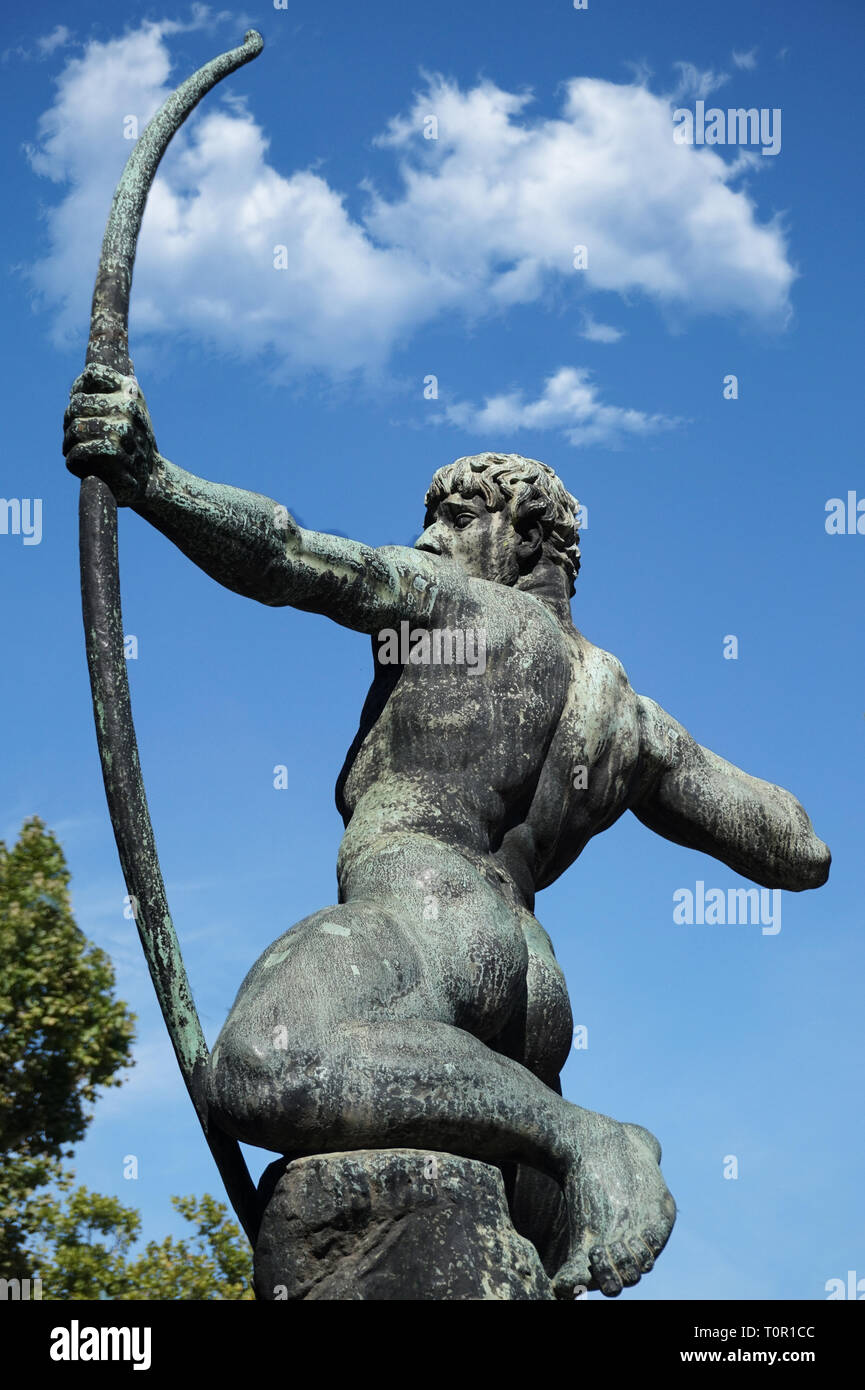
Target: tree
{"x":62,"y":1032}
{"x":82,"y":1250}
{"x":62,"y":1036}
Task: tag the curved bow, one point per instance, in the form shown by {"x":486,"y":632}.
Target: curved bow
{"x":108,"y":346}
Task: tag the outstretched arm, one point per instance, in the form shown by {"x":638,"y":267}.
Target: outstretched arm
{"x":255,"y":547}
{"x":694,"y":798}
{"x":242,"y":539}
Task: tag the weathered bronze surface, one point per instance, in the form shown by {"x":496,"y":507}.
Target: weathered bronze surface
{"x":426,"y":1009}
{"x":425,"y":1012}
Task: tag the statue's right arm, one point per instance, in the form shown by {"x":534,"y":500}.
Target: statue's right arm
{"x":695,"y":798}
{"x":244,"y":540}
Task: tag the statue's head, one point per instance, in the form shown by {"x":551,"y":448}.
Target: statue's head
{"x":500,"y":516}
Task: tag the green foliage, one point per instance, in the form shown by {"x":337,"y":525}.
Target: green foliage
{"x":78,"y":1242}
{"x":62,"y":1032}
{"x":82,"y":1250}
{"x":62,"y":1036}
{"x":217,"y":1263}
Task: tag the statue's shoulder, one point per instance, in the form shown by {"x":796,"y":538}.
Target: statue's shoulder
{"x":602,"y":663}
{"x":410,"y":561}
{"x":405,"y":556}
{"x":419,"y":569}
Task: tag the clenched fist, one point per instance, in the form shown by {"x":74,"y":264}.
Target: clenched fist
{"x":108,"y":434}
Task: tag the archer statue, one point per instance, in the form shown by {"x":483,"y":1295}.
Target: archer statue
{"x":426,"y":1008}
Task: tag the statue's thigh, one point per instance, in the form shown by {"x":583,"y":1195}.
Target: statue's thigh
{"x":355,"y":962}
{"x":549,"y":1020}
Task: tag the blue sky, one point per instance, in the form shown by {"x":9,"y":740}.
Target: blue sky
{"x":453,"y":257}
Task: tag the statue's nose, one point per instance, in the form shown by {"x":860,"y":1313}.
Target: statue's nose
{"x":428,"y":542}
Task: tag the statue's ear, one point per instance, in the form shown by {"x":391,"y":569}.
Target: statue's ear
{"x":531,"y":542}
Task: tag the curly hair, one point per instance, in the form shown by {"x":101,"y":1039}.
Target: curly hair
{"x":531,"y":490}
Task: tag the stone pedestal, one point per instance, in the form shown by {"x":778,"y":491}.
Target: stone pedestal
{"x":392,"y":1224}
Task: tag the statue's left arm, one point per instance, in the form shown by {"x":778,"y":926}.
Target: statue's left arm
{"x":244,"y":540}
{"x":694,"y":798}
{"x":255,"y":547}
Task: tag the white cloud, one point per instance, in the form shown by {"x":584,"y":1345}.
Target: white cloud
{"x":59,"y":37}
{"x":46,"y":44}
{"x":697,"y":82}
{"x":569,"y":403}
{"x":206,"y":253}
{"x":485,"y":216}
{"x":501,"y":201}
{"x":746,"y":60}
{"x":599,"y":332}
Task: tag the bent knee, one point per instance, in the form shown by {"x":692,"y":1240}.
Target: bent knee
{"x":279,"y":1096}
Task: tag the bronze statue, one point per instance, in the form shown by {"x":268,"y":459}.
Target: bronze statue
{"x":426,"y":1009}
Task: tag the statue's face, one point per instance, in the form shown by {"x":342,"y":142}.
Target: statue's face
{"x":486,"y":544}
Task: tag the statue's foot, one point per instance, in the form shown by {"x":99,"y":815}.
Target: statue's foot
{"x":620,"y":1209}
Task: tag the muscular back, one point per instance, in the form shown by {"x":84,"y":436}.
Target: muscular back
{"x":588,"y":771}
{"x":518,"y":764}
{"x":490,"y":764}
